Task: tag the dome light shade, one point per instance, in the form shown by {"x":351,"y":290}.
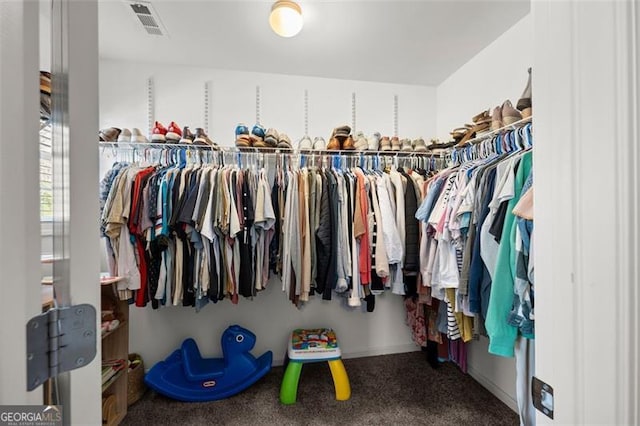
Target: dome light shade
{"x":286,"y":18}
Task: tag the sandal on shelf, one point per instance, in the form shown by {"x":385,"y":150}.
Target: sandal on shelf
{"x":319,"y":144}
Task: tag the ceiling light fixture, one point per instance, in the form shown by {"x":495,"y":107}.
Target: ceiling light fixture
{"x":286,"y":18}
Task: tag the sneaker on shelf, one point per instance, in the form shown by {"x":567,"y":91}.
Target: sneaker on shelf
{"x":419,"y":145}
{"x":319,"y":144}
{"x":110,"y":134}
{"x":201,"y":138}
{"x":174,"y":134}
{"x":360,"y":141}
{"x":284,"y":142}
{"x":395,"y":144}
{"x":348,"y":144}
{"x":137,"y":136}
{"x":385,"y":143}
{"x":159,"y":133}
{"x":257,"y":136}
{"x":243,"y":140}
{"x":509,"y":114}
{"x":405,"y":145}
{"x":373,"y":142}
{"x":272,"y":138}
{"x":305,"y":144}
{"x":187,"y":136}
{"x":125,"y":135}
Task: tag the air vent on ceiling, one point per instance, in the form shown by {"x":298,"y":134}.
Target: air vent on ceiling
{"x":148,"y":17}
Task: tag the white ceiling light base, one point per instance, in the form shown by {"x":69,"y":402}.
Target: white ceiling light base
{"x":286,"y":18}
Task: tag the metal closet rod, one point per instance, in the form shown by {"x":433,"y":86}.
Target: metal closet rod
{"x":272,"y":151}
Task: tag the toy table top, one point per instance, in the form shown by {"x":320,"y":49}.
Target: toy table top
{"x":310,"y":345}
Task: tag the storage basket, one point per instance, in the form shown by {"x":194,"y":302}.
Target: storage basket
{"x":135,"y":380}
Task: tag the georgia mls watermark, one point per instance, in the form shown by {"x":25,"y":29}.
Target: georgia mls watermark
{"x":30,"y":415}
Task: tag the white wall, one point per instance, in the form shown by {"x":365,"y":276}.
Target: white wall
{"x":179,"y":97}
{"x":179,"y":93}
{"x":497,"y":73}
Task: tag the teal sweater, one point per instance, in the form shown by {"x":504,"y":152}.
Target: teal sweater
{"x":502,"y":336}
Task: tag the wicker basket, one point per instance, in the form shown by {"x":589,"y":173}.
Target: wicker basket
{"x":135,"y":380}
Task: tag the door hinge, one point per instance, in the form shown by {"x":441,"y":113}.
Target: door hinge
{"x":542,"y":394}
{"x":59,"y":340}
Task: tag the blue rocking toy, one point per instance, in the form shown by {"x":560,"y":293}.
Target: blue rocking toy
{"x":186,"y":376}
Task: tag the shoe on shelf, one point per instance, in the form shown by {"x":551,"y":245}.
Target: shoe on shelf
{"x":174,"y":134}
{"x":272,"y":138}
{"x":509,"y":114}
{"x":459,"y":132}
{"x":305,"y":144}
{"x":373,"y":142}
{"x":124,"y":136}
{"x":360,"y":141}
{"x":110,"y":134}
{"x":284,"y":142}
{"x":348,"y":144}
{"x":334,"y":144}
{"x":159,"y":133}
{"x":496,"y":119}
{"x":319,"y":144}
{"x":137,"y":136}
{"x":187,"y":136}
{"x":385,"y":144}
{"x":406,"y":145}
{"x":243,"y":140}
{"x":395,"y":144}
{"x":45,"y":95}
{"x":257,"y":136}
{"x":481,"y":117}
{"x":201,"y":138}
{"x":524,"y":103}
{"x":419,"y":145}
{"x":342,"y":132}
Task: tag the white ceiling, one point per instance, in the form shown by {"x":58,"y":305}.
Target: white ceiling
{"x":407,"y":42}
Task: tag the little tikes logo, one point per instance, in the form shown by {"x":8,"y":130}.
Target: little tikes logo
{"x":30,"y":415}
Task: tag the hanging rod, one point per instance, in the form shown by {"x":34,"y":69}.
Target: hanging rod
{"x":251,"y":150}
{"x":485,"y":136}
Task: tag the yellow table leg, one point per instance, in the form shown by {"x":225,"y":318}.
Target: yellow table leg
{"x":340,"y":380}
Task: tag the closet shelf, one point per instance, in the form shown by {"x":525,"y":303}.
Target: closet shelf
{"x":110,"y":280}
{"x":112,"y":380}
{"x":485,"y":136}
{"x":109,"y":333}
{"x":264,"y":151}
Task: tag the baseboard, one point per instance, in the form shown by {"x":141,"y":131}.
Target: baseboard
{"x":384,"y":350}
{"x":493,"y":388}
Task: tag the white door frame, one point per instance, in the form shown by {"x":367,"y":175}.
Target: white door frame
{"x":75,"y":69}
{"x":19,"y":195}
{"x":585,"y":96}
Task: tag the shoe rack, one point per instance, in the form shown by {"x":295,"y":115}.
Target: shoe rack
{"x":115,"y":345}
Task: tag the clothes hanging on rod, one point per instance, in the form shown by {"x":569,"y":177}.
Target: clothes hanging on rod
{"x":192,"y":233}
{"x":475,"y":263}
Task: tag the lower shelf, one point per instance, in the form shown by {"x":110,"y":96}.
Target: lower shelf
{"x":117,"y":420}
{"x":112,"y":380}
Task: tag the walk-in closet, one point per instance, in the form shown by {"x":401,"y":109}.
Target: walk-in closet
{"x":305,"y":212}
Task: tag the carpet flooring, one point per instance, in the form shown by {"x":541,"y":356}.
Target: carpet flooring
{"x":399,"y":389}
